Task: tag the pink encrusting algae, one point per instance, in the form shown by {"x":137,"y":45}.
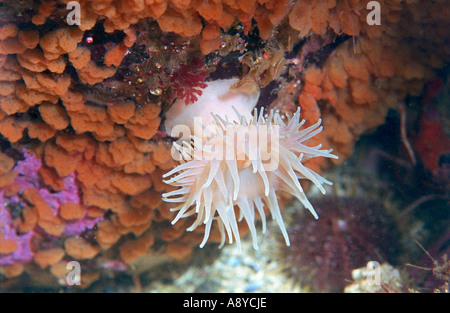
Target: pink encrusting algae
{"x":29,"y":185}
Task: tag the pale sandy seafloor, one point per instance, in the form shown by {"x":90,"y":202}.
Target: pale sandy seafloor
{"x":232,"y":271}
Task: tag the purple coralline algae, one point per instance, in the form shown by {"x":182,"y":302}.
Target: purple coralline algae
{"x":27,"y":176}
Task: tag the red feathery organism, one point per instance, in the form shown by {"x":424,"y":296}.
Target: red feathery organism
{"x":189,"y":80}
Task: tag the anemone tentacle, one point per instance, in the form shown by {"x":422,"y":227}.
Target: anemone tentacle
{"x":214,"y":186}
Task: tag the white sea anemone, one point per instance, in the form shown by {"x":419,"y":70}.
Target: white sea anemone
{"x":230,"y":169}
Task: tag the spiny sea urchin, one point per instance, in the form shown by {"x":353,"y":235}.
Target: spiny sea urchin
{"x":350,"y":233}
{"x":229,"y":164}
